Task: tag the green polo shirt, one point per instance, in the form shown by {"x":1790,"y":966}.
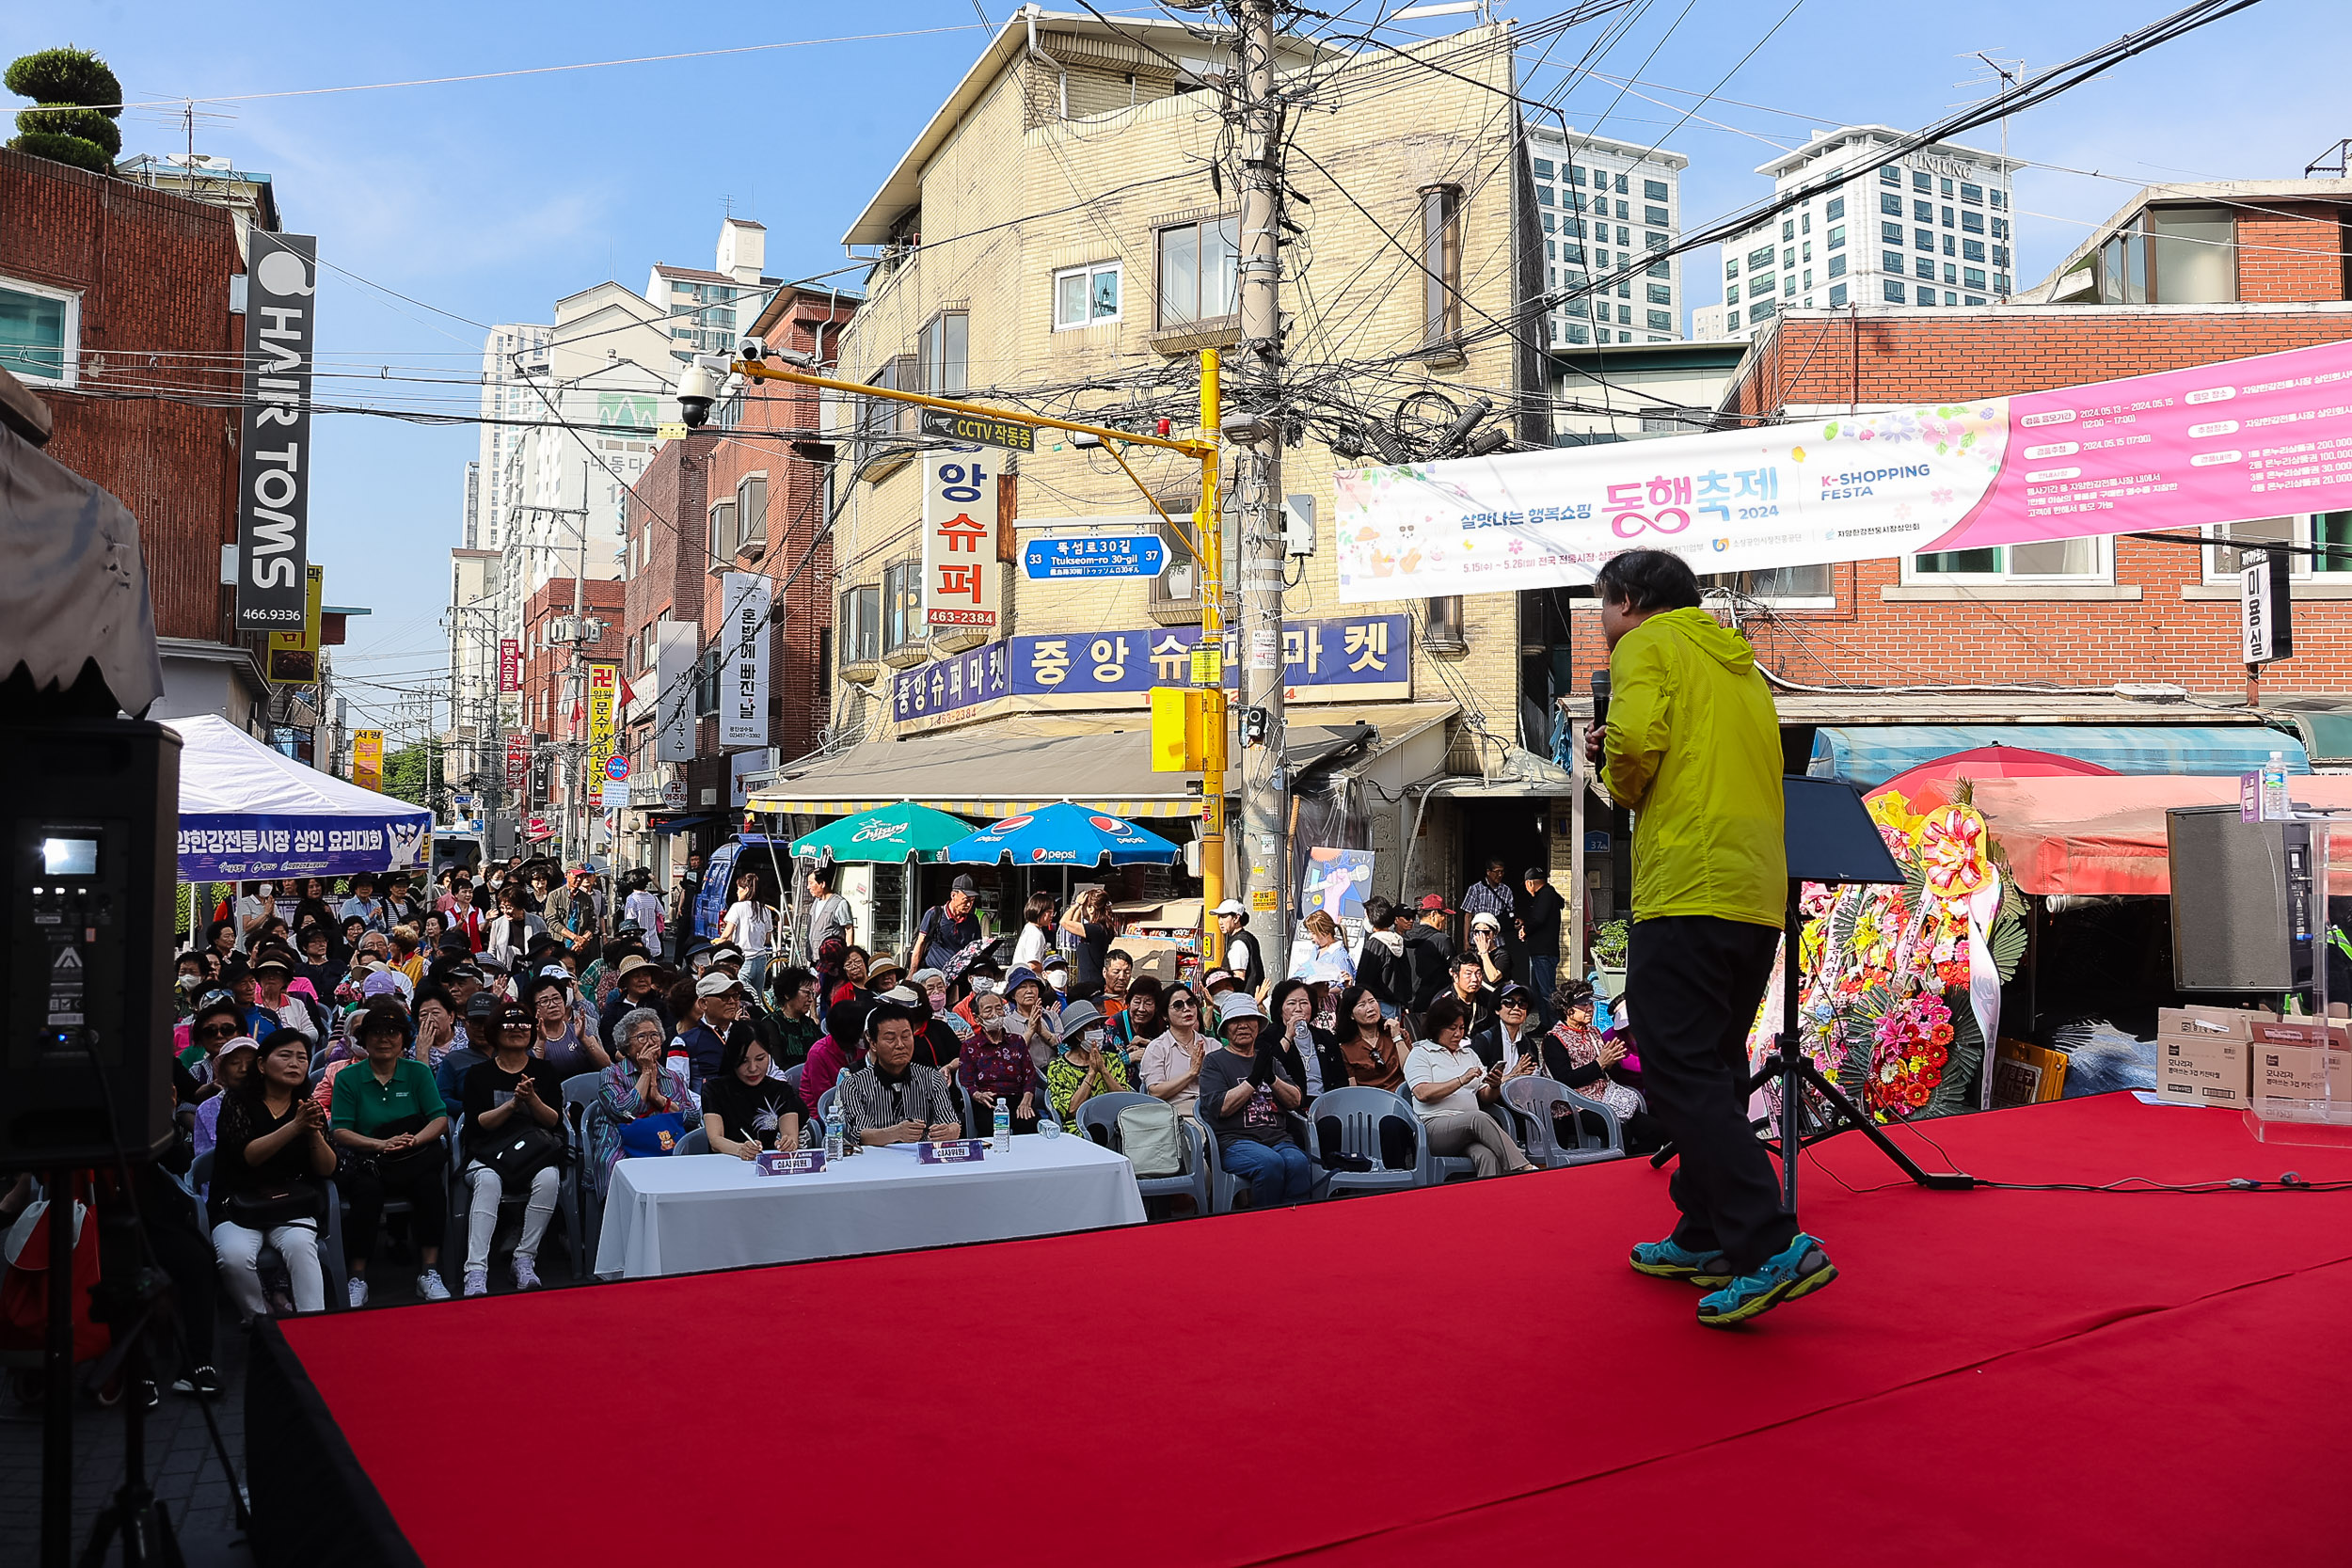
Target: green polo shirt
{"x":362,"y":1105}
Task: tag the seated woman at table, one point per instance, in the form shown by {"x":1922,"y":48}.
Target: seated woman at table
{"x":1084,"y":1064}
{"x":994,"y":1067}
{"x":836,"y":1053}
{"x":640,"y":1084}
{"x":744,"y":1110}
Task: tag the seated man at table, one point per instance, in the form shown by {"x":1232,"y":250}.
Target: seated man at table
{"x":894,"y":1099}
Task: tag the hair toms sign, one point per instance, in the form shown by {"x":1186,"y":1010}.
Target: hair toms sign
{"x":2213,"y":444}
{"x":273,"y":484}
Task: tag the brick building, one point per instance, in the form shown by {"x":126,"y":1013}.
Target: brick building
{"x":551,"y":698}
{"x":117,"y":290}
{"x":750,"y":492}
{"x":2107,"y":631}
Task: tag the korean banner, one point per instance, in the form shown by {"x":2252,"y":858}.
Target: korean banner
{"x":275,"y":469}
{"x":517,"y":759}
{"x":604,"y":682}
{"x":962,"y":585}
{"x":676,"y":649}
{"x":743,"y":598}
{"x":367,"y":759}
{"x":293,"y":656}
{"x":2179,"y":449}
{"x":510,"y":664}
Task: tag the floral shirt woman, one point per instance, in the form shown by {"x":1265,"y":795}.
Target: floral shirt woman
{"x":1585,"y":1048}
{"x":617,"y":1097}
{"x":1065,"y":1072}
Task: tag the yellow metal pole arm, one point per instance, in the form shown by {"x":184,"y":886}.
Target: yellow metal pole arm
{"x":1206,"y":449}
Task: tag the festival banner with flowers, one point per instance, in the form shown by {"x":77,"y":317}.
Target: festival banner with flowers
{"x":2210,"y":444}
{"x":1900,"y":986}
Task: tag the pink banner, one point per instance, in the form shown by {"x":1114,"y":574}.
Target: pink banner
{"x":2226,"y":443}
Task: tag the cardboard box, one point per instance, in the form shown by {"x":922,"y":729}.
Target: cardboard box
{"x":2203,"y":1070}
{"x":2228,"y":1023}
{"x":2302,"y":1082}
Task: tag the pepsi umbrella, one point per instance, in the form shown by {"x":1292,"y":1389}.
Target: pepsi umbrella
{"x":884,"y":833}
{"x":1062,"y":834}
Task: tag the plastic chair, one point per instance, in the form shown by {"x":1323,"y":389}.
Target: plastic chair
{"x":825,"y":1104}
{"x":583,"y":1102}
{"x":1536,"y":1096}
{"x":1359,"y":1112}
{"x":330,"y":1233}
{"x":1098,"y":1119}
{"x":697,"y":1141}
{"x":461,"y":1203}
{"x":792,"y":1074}
{"x":1434,"y":1169}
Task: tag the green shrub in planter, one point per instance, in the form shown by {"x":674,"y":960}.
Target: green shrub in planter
{"x":65,"y":76}
{"x":1610,"y":941}
{"x":76,"y":151}
{"x":90,"y":125}
{"x":77,"y":101}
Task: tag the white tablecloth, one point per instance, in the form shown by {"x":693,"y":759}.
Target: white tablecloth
{"x":694,"y":1212}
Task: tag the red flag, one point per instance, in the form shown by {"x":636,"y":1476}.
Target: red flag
{"x":627,"y":696}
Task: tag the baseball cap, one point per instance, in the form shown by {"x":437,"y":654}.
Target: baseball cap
{"x":717,"y":985}
{"x":385,"y":982}
{"x":556,"y":972}
{"x":1230,"y":906}
{"x":1514,"y":992}
{"x":1488,"y":917}
{"x":482,"y":1004}
{"x":963,"y":884}
{"x":1216,"y":977}
{"x":1432,"y":903}
{"x":242,"y":1042}
{"x":271,"y":960}
{"x":723,"y":953}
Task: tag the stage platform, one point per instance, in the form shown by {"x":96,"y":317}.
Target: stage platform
{"x":1468,"y":1374}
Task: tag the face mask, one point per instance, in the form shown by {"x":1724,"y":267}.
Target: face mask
{"x":983,"y":985}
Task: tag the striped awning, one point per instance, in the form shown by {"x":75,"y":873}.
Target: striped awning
{"x":1869,"y":754}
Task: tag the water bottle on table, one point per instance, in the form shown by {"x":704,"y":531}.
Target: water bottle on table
{"x":832,"y":1137}
{"x":1004,"y":1126}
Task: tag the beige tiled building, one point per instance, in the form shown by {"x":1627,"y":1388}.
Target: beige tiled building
{"x":1059,"y":238}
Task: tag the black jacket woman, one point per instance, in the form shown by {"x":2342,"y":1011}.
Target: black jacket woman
{"x":270,"y":1170}
{"x":1311,"y":1053}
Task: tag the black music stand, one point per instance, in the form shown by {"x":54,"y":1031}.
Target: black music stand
{"x":1830,"y":839}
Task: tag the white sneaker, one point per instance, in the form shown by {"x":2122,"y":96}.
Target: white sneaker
{"x":430,"y":1286}
{"x":357,"y":1291}
{"x":477,"y":1282}
{"x":526,"y":1273}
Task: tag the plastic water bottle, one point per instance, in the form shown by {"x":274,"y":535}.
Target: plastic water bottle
{"x":1004,"y":1127}
{"x":1048,"y":1127}
{"x":2275,"y":806}
{"x":832,"y":1138}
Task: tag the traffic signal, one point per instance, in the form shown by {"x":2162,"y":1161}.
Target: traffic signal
{"x":1178,"y":728}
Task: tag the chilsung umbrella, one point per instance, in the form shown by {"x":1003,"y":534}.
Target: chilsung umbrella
{"x":1062,"y":834}
{"x":884,"y":833}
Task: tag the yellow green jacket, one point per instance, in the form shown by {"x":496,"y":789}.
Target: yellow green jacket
{"x":1694,"y":751}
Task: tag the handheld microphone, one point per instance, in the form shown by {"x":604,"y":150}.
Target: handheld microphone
{"x":1600,"y":698}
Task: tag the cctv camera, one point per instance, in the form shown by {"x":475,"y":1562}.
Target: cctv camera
{"x":697,"y":389}
{"x":754,"y":349}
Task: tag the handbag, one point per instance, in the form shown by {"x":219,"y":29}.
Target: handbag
{"x":658,"y":1134}
{"x":519,"y":1154}
{"x":268,"y":1207}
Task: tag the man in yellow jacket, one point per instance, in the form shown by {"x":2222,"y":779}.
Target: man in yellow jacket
{"x":1691,"y":748}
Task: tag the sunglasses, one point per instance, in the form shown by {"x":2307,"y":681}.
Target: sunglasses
{"x":1514,"y":1005}
{"x":216,"y":1032}
{"x":1184,"y":1002}
{"x":513,"y":1024}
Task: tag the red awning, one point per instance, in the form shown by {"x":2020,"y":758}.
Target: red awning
{"x":1929,"y":784}
{"x":2106,"y":835}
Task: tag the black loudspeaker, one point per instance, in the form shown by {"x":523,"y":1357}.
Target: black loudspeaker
{"x":2245,"y":901}
{"x":93,"y":819}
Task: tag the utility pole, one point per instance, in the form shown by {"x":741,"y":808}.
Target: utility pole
{"x":1258,"y":479}
{"x":575,"y":680}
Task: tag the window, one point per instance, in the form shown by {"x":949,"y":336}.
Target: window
{"x":943,"y":359}
{"x":1951,"y":275}
{"x":1661,"y":269}
{"x":1576,"y":175}
{"x":1731,"y":295}
{"x":721,"y":536}
{"x":1761,"y":310}
{"x":1891,"y":204}
{"x":1661,"y":293}
{"x":1759,"y":287}
{"x":1893,"y":289}
{"x":1836,"y":237}
{"x":1972,"y":223}
{"x":1947,"y":217}
{"x":2000,"y":199}
{"x":2000,"y":256}
{"x":1661,"y":320}
{"x":1920,"y":181}
{"x":1442,"y":625}
{"x":40,"y":331}
{"x":1798,"y":587}
{"x":2061,"y":561}
{"x":1654,"y":190}
{"x":1619,"y":187}
{"x":1836,"y":295}
{"x":1972,"y":250}
{"x":1789,"y":229}
{"x":1835,"y":209}
{"x":1761,"y":257}
{"x":1974,"y":299}
{"x":2170,"y":256}
{"x":1971,"y":193}
{"x":880,"y":417}
{"x":1923,"y":211}
{"x":1890,"y":175}
{"x":860,"y":626}
{"x":2223,"y":564}
{"x":1943,"y":186}
{"x":1197,"y":263}
{"x":2000,"y":229}
{"x":1086,"y":297}
{"x":1948,"y":251}
{"x":1441,"y":262}
{"x":1837,"y":267}
{"x":1972,"y":277}
{"x":1788,"y":257}
{"x":1789,"y":285}
{"x":901,"y":605}
{"x":1576,"y":333}
{"x":1656,"y":216}
{"x":750,"y":516}
{"x":706,"y":670}
{"x":1892,"y":261}
{"x":1890,"y":233}
{"x":1924,"y":239}
{"x":1543,"y":196}
{"x":1924,"y":269}
{"x":1543,"y":168}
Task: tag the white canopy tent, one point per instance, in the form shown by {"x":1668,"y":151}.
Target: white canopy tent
{"x":246,"y":811}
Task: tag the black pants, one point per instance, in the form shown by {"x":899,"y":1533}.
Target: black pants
{"x":363,"y":1184}
{"x":1693,"y":983}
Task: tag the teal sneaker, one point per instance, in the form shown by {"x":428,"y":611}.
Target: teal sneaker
{"x":1798,"y":1268}
{"x":1668,"y":1260}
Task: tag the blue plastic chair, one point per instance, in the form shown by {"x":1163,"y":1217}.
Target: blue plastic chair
{"x":1434,"y":1169}
{"x":1225,"y":1185}
{"x":1359,"y":1112}
{"x":1534,"y":1097}
{"x":1098,"y":1119}
{"x":697,"y":1141}
{"x":792,"y":1074}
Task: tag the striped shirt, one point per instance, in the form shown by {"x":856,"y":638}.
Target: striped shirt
{"x":1482,"y":899}
{"x":866,"y":1102}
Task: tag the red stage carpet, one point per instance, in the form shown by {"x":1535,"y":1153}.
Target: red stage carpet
{"x":1462,"y":1376}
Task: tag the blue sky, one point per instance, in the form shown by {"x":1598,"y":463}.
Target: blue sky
{"x":489,"y":199}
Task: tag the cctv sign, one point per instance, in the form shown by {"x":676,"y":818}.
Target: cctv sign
{"x":274,"y":483}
